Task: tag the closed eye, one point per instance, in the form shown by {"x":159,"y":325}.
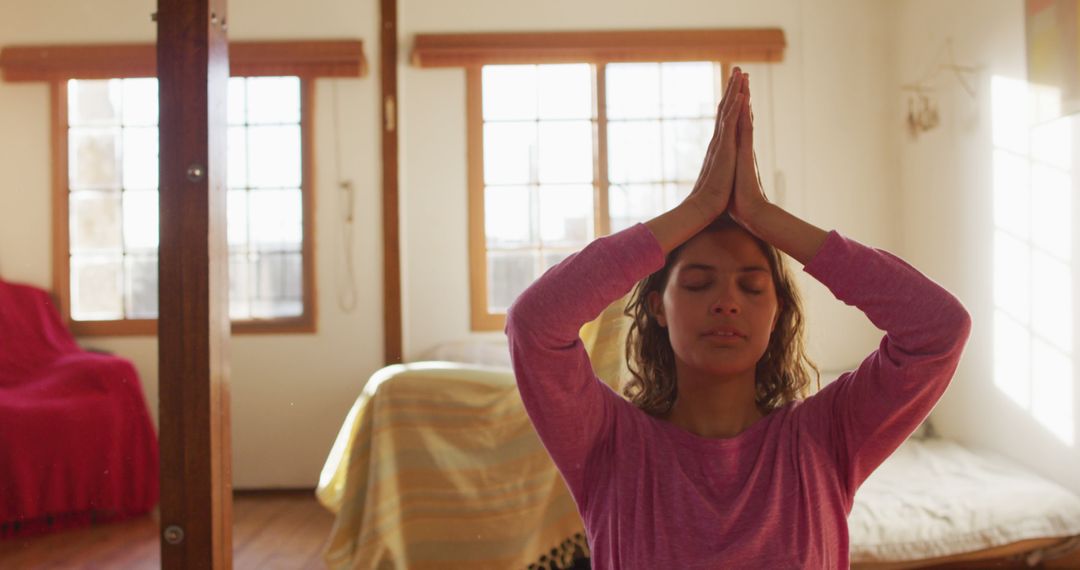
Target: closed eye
{"x":706,"y":286}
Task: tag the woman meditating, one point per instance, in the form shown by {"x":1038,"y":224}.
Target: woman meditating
{"x":717,"y":457}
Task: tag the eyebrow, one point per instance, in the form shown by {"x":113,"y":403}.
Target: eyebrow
{"x":706,"y":267}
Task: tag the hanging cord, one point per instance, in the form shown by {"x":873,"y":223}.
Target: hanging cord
{"x":347,"y":294}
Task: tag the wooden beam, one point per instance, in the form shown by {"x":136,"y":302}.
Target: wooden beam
{"x":600,"y":169}
{"x":325,"y":58}
{"x":58,"y":95}
{"x":746,"y":45}
{"x":480,"y":318}
{"x":392,"y":326}
{"x":193,"y":322}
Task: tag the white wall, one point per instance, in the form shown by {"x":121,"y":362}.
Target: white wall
{"x":834,"y":123}
{"x":947,"y":191}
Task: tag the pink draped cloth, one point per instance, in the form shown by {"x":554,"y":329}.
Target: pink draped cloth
{"x":77,"y":444}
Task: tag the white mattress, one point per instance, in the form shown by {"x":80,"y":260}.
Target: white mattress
{"x":934,"y":497}
{"x":485,"y":351}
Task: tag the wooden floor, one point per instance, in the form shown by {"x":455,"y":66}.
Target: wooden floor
{"x":272,"y":530}
{"x":275,"y":529}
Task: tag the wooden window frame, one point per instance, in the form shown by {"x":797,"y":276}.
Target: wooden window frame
{"x":58,"y":64}
{"x":473,"y":51}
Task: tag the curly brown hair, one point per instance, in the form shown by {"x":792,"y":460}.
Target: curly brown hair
{"x":782,"y":374}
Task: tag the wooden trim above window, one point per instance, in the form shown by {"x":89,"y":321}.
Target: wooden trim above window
{"x":329,"y":58}
{"x":745,"y":45}
{"x":149,"y":327}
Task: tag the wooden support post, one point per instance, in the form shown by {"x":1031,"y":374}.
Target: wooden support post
{"x":193,"y":325}
{"x":388,"y":46}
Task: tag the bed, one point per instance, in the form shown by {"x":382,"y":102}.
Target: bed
{"x":935,"y":501}
{"x":437,"y":466}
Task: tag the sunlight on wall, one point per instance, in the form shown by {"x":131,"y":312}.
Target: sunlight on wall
{"x":1033,"y":303}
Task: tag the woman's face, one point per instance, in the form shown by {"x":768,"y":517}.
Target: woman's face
{"x":720,"y":279}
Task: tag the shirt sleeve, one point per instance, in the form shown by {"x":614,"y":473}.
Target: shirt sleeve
{"x":571,"y":409}
{"x":866,"y":413}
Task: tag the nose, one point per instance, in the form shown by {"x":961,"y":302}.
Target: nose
{"x":725,"y":308}
{"x":726,"y":303}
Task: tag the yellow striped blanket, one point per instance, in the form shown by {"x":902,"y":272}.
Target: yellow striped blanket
{"x":438,"y":466}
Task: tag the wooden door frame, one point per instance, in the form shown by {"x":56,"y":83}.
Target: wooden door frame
{"x":193,"y":320}
{"x":196,"y":505}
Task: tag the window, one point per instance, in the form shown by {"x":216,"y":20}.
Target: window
{"x":1033,"y":257}
{"x":577,"y":134}
{"x":112,"y":169}
{"x":538,"y":171}
{"x":104,"y":135}
{"x":574,"y":151}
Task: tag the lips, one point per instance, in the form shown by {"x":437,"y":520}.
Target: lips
{"x":724,"y":331}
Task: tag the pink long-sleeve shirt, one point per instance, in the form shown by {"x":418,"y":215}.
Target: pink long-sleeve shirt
{"x":777,"y":495}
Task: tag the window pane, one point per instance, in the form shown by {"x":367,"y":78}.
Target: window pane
{"x":1012,"y":193}
{"x":141,"y":286}
{"x":634,"y":203}
{"x":507,"y":216}
{"x":509,"y":92}
{"x":114,"y":233}
{"x":140,"y":157}
{"x":1012,"y":272}
{"x":94,"y":158}
{"x":509,"y":273}
{"x":140,"y":220}
{"x":237,"y":94}
{"x":1012,"y":358}
{"x":95,"y":102}
{"x":689,"y":89}
{"x":510,"y":153}
{"x":1051,"y":210}
{"x":95,"y":221}
{"x":239,"y":287}
{"x":634,"y":151}
{"x":237,"y":149}
{"x":554,"y":258}
{"x":1051,"y":142}
{"x":141,"y":102}
{"x":633,"y":90}
{"x":237,"y":211}
{"x":685,"y":142}
{"x":566,"y":215}
{"x":1011,"y":129}
{"x":566,"y":152}
{"x":674,"y":194}
{"x":96,"y":290}
{"x":275,"y":219}
{"x":565,"y":91}
{"x":274,"y":156}
{"x":1051,"y":300}
{"x":277,"y":285}
{"x":273,"y":100}
{"x":1052,"y":390}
